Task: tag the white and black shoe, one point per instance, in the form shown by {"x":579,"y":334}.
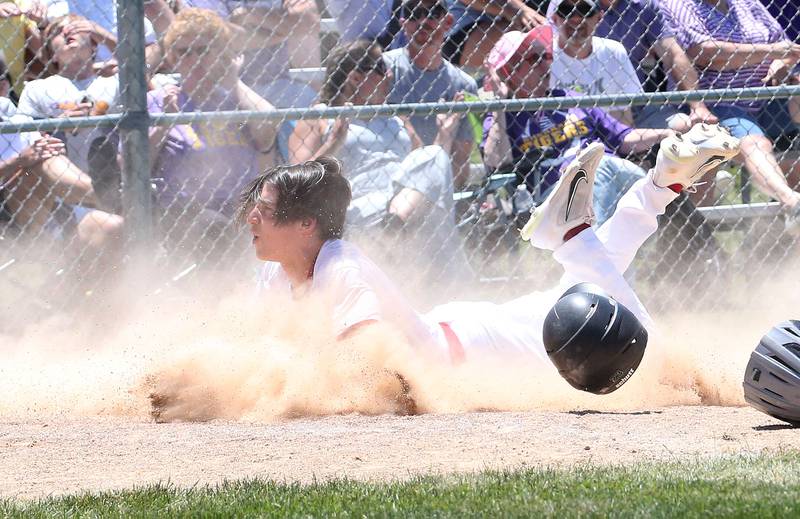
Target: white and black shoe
{"x":569,"y":205}
{"x":684,"y":159}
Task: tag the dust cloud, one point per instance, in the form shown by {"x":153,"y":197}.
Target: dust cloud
{"x":170,"y":357}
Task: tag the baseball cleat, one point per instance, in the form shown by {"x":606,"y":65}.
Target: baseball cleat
{"x":569,"y":205}
{"x":684,"y":159}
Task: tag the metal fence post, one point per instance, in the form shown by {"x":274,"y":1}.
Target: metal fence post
{"x":134,"y":125}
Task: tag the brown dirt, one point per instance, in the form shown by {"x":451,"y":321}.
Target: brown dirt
{"x":51,"y":456}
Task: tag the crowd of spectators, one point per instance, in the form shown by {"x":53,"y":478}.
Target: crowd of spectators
{"x":208,"y":55}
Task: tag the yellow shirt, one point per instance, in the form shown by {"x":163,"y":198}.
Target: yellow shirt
{"x":12,"y":41}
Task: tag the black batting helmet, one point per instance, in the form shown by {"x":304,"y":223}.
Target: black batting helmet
{"x":595,"y":342}
{"x":772,"y":377}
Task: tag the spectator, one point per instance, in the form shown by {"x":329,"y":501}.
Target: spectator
{"x":273,"y":34}
{"x":75,"y":90}
{"x":103,"y":14}
{"x":38,"y":185}
{"x":373,"y":20}
{"x":478,"y":24}
{"x":639,"y":25}
{"x":737,"y":43}
{"x":536,"y":145}
{"x":420,"y":74}
{"x":589,"y":64}
{"x":203,"y":165}
{"x":396,"y":181}
{"x":20,"y":37}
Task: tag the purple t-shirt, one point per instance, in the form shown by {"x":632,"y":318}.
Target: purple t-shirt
{"x":747,"y":21}
{"x":205,"y":163}
{"x":543,"y":142}
{"x":637,"y":24}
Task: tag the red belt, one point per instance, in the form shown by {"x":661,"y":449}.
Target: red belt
{"x":454,"y":346}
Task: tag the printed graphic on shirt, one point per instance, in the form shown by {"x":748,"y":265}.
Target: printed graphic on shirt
{"x":572,"y":127}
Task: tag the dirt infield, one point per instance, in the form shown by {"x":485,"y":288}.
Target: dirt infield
{"x":58,"y":455}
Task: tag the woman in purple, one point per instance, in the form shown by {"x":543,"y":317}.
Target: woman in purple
{"x":734,"y":44}
{"x":200,"y":167}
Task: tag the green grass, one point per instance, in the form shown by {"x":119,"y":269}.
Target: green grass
{"x":741,"y":486}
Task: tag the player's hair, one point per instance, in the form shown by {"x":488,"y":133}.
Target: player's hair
{"x":314,"y":189}
{"x":53,"y":29}
{"x":203,"y":27}
{"x":361,"y":55}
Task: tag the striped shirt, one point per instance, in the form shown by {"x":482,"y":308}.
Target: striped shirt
{"x":747,"y":21}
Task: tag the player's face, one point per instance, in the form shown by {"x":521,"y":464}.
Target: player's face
{"x":272,"y":241}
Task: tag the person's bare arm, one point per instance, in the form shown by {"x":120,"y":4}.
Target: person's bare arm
{"x":258,"y":27}
{"x":306,"y":141}
{"x":623,"y":115}
{"x":159,"y":14}
{"x":497,"y":149}
{"x":725,"y":55}
{"x":640,"y":140}
{"x":460,"y":154}
{"x":515,"y":11}
{"x":684,"y":74}
{"x":262,"y":132}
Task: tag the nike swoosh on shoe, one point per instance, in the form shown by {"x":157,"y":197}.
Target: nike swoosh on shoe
{"x":573,"y":188}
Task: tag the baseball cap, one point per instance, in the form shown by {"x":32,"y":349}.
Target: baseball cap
{"x":582,"y":8}
{"x":419,"y":9}
{"x":513,"y":42}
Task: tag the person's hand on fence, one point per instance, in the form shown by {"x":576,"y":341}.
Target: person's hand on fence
{"x":41,"y":150}
{"x":9,"y":10}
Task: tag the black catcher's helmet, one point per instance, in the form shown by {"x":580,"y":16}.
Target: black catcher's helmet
{"x":594,"y":341}
{"x":772,"y":378}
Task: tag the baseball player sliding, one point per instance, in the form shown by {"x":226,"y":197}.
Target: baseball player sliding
{"x":296,"y":216}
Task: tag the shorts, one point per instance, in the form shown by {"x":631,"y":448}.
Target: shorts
{"x":771,"y":120}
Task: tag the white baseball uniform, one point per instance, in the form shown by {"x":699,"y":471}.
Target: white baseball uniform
{"x":358,"y":291}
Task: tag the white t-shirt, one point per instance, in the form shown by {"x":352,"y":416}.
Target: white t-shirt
{"x":358,"y":291}
{"x":607,"y":70}
{"x":50,"y":97}
{"x":11,"y":144}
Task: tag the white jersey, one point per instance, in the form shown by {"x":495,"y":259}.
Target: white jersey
{"x":359,"y":292}
{"x":607,"y":70}
{"x":51,"y":96}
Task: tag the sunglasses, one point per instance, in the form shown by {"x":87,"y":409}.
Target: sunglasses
{"x":422,"y":12}
{"x":582,"y":9}
{"x":379,"y":67}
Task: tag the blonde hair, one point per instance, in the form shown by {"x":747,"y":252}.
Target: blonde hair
{"x":202,"y":26}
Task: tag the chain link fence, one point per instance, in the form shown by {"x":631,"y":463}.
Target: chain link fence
{"x":128,"y":131}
